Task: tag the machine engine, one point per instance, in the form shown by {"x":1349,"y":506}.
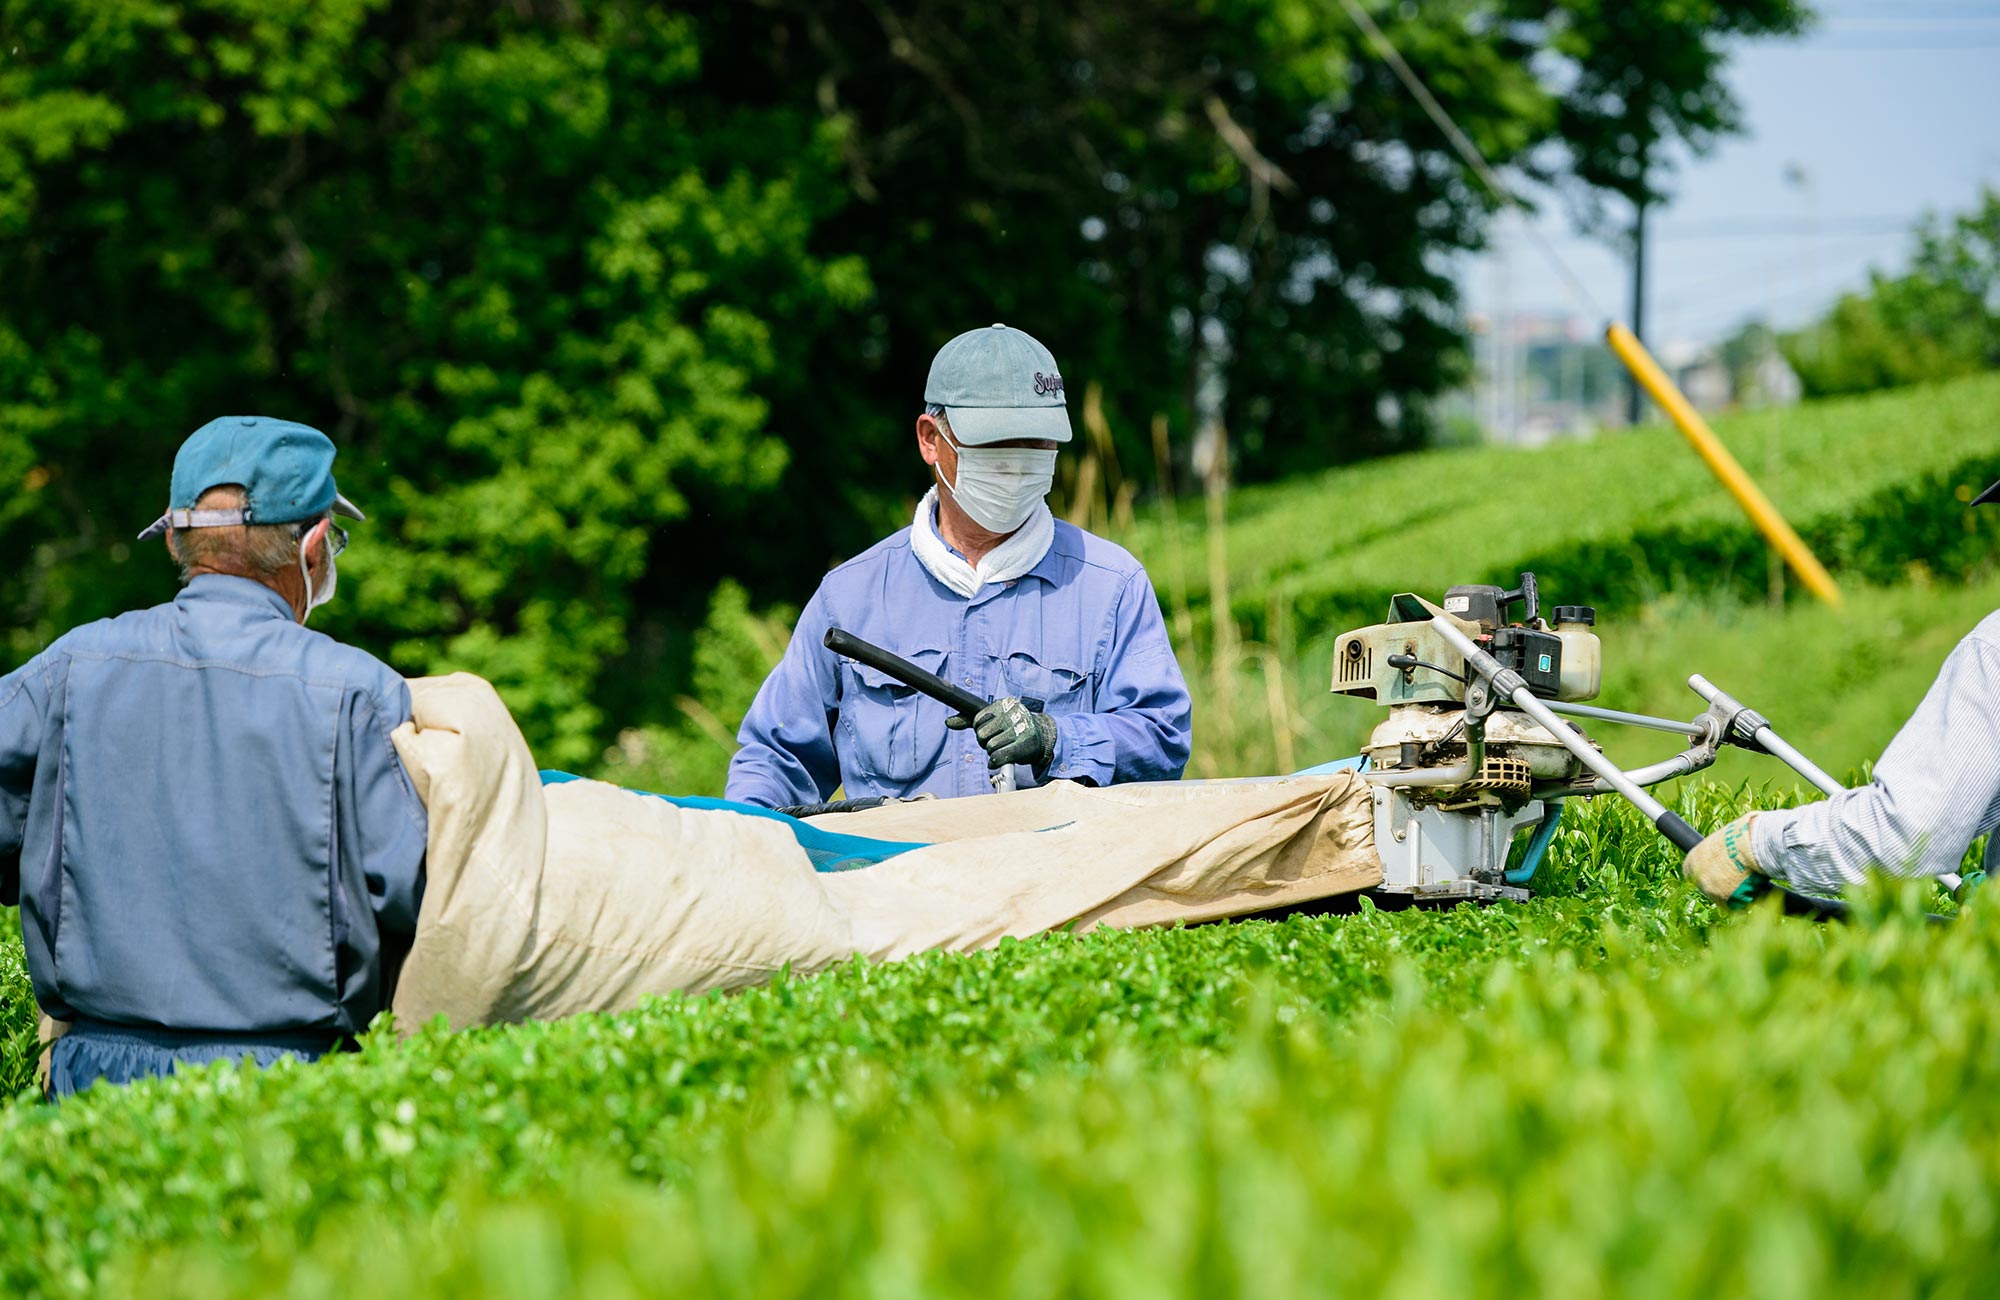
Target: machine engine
{"x":1456,"y":772}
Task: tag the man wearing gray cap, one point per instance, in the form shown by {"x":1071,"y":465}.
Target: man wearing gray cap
{"x":1059,"y":628}
{"x":216,"y":851}
{"x":1934,"y":791}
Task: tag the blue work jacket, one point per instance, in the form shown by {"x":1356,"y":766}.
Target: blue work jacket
{"x":204,"y":822}
{"x":1081,"y":631}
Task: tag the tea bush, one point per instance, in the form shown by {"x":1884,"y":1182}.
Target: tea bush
{"x":17,"y":1010}
{"x":1795,"y":1114}
{"x":1290,"y":1091}
{"x":1612,"y":1089}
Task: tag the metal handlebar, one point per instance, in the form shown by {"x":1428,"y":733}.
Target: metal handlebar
{"x":1512,"y":687}
{"x":1752,"y":730}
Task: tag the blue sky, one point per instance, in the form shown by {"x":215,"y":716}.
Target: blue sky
{"x":1888,"y":109}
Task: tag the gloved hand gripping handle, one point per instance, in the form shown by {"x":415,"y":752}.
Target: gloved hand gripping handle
{"x":956,"y":698}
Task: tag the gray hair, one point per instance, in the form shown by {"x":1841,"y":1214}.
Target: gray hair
{"x":936,"y":412}
{"x":258,"y":551}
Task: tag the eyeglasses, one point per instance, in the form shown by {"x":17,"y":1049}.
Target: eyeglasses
{"x":336,"y":537}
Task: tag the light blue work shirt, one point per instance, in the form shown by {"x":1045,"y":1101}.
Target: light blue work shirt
{"x":1081,"y":631}
{"x":204,"y":821}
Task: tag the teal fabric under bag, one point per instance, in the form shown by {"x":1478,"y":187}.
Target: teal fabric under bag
{"x":826,"y":850}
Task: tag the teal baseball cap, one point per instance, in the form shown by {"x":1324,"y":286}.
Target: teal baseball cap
{"x":284,"y":467}
{"x":998,"y":384}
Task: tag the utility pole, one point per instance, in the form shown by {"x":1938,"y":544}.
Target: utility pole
{"x":1635,"y":399}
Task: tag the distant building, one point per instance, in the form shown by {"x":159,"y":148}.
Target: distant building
{"x":1543,"y":376}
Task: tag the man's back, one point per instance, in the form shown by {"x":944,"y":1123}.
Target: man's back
{"x":218,"y":836}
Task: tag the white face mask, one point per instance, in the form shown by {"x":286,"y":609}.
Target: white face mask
{"x":330,"y":582}
{"x":1001,"y":486}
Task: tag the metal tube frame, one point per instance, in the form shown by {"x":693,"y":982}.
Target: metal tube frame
{"x":1511,"y":686}
{"x":1466,"y":769}
{"x":1753,"y":730}
{"x":1695,"y":728}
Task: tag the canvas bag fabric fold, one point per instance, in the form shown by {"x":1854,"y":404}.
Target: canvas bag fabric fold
{"x":545,"y":902}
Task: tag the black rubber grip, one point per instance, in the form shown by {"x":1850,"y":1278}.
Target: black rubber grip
{"x":1684,"y":836}
{"x":1832,"y":909}
{"x":957,"y":698}
{"x":835,"y":806}
{"x":1819,"y":909}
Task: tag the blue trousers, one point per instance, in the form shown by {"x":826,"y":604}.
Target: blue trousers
{"x":94,"y":1052}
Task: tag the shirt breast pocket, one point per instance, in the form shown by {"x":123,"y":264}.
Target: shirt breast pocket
{"x":1062,"y":684}
{"x":897,"y":733}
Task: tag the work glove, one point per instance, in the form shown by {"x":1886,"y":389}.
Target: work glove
{"x":1011,"y":732}
{"x":1723,"y":867}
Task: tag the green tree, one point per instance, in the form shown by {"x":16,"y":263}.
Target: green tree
{"x":1635,"y":78}
{"x":1232,"y":200}
{"x":528,"y":279}
{"x":607,"y":304}
{"x":1939,"y":320}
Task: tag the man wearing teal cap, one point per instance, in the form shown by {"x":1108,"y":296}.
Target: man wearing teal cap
{"x":216,"y":852}
{"x":1058,"y":629}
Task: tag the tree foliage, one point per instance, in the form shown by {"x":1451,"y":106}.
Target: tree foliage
{"x":1939,"y":320}
{"x":1635,"y":77}
{"x":607,"y":304}
{"x":527,"y":280}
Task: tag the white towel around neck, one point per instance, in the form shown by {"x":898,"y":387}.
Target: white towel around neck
{"x":1022,"y":551}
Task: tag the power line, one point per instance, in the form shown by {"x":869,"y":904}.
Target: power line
{"x":1896,"y":47}
{"x":1688,"y":291}
{"x":1789,"y":227}
{"x":1469,"y":152}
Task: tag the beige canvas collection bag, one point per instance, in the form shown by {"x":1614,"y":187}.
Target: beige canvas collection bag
{"x":548,"y":901}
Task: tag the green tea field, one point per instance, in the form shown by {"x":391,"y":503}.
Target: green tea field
{"x":1611,"y":1090}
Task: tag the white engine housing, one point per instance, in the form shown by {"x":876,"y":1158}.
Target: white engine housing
{"x":1434,"y":854}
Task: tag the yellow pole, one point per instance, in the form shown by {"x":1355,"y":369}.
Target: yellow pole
{"x":1741,"y":486}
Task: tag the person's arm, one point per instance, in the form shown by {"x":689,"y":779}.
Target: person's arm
{"x":23,"y":693}
{"x":787,"y":751}
{"x":1933,"y":790}
{"x":1141,"y":728}
{"x":390,"y":823}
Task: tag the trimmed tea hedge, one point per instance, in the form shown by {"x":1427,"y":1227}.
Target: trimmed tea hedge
{"x":1402,"y":1100}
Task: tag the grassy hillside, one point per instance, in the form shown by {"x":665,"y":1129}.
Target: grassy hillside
{"x":1614,"y":522}
{"x":1633,"y":524}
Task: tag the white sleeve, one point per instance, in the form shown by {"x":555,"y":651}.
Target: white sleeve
{"x":1936,"y":788}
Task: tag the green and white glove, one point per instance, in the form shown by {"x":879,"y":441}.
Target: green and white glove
{"x":1724,"y":868}
{"x":1011,"y":732}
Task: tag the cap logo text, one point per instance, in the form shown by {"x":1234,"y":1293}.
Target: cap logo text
{"x":1046,"y":384}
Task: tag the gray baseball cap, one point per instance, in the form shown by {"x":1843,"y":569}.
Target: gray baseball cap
{"x":998,"y":384}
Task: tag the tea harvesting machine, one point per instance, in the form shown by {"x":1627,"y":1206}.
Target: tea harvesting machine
{"x":1483,"y":739}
